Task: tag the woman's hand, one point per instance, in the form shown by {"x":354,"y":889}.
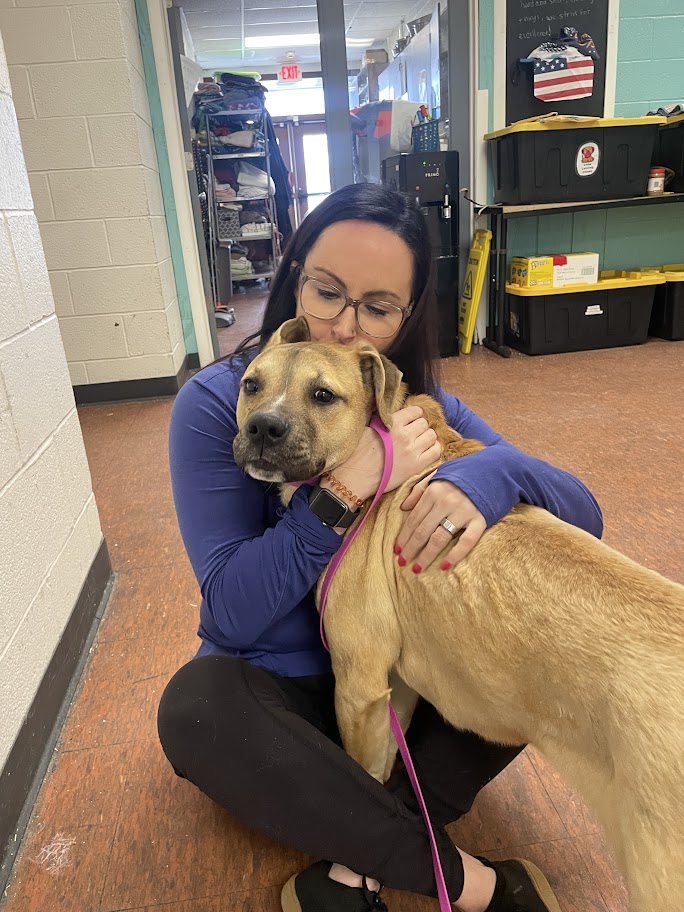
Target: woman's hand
{"x":415,"y":448}
{"x":422,"y":538}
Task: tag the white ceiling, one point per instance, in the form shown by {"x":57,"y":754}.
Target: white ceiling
{"x":219,"y":29}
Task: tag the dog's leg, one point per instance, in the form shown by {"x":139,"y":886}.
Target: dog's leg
{"x":362,"y":708}
{"x":404,"y":701}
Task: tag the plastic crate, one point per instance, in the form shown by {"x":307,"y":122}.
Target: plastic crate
{"x":425,"y":137}
{"x":667,"y":317}
{"x":670,"y":150}
{"x":616,"y":312}
{"x":561,"y":159}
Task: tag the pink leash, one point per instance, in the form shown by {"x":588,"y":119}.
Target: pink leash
{"x":386,"y":438}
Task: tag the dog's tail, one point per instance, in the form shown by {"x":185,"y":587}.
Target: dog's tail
{"x":453,"y":445}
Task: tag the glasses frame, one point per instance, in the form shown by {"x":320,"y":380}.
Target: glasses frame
{"x":352,"y":302}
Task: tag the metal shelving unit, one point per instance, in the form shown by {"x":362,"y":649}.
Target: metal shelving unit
{"x":499,"y":215}
{"x":242,"y":120}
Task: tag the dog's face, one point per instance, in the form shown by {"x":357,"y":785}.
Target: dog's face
{"x":303,"y":405}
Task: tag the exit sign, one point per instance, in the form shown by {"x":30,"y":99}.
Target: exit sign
{"x":290,"y":73}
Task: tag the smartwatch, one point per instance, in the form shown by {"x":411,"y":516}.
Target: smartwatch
{"x":331,"y":510}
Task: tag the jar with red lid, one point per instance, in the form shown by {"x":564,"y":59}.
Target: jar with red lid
{"x":656,"y":182}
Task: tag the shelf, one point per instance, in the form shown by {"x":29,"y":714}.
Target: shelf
{"x":255,"y":275}
{"x":251,"y":113}
{"x":246,"y":237}
{"x":510,"y":212}
{"x":239,"y":155}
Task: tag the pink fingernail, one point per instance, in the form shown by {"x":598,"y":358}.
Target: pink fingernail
{"x":416,"y":568}
{"x":397,"y":549}
{"x":445,"y":565}
{"x":402,"y":561}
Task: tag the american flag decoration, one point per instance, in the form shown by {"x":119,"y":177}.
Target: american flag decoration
{"x":562,"y":74}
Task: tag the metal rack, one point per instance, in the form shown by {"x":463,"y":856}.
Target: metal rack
{"x":220,"y":244}
{"x":499,"y":215}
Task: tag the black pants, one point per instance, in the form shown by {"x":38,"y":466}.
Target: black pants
{"x":267,"y":749}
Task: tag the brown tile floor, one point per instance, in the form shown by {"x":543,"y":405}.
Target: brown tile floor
{"x":114,"y":829}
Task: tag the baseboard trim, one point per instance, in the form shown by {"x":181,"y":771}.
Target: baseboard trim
{"x":150,"y":388}
{"x":23,"y":773}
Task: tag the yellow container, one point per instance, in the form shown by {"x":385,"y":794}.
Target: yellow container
{"x":609,"y":278}
{"x":553,"y":121}
{"x":673,"y":272}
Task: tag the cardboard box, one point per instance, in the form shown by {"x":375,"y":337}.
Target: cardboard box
{"x":555,"y":271}
{"x":575,"y":269}
{"x":374,"y":55}
{"x":532,"y":272}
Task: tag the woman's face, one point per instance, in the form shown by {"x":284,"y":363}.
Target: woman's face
{"x":366,"y":262}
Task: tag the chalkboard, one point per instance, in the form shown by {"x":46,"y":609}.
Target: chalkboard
{"x":530,"y":23}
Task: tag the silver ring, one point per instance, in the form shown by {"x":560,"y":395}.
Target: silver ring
{"x":449,"y":526}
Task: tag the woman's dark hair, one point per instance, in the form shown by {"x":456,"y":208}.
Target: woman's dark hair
{"x":414,"y":351}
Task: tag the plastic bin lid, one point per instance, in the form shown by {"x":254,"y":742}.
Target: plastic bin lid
{"x":672,"y":121}
{"x":571,"y":122}
{"x":607,"y":280}
{"x":673,"y":272}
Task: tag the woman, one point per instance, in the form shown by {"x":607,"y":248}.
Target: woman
{"x":250,"y":720}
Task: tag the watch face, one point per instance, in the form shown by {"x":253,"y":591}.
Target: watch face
{"x":327,"y":507}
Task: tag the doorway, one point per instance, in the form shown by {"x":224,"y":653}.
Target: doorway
{"x":303,"y":144}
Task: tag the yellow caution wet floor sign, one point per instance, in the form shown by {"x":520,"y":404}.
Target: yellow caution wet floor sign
{"x":472,"y":287}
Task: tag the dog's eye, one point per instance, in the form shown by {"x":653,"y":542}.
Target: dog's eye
{"x":323,"y":395}
{"x":250,"y":386}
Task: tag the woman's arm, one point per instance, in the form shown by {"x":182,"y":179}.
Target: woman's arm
{"x":249,"y":575}
{"x":500,"y":476}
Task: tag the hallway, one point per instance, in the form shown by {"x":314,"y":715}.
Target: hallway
{"x":114,"y":829}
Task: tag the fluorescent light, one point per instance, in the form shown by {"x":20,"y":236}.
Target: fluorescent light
{"x":287,"y":41}
{"x":281,"y":41}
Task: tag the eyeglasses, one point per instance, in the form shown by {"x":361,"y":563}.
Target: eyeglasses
{"x":379,"y":319}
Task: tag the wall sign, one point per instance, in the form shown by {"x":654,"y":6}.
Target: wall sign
{"x":290,"y":73}
{"x":563,"y":44}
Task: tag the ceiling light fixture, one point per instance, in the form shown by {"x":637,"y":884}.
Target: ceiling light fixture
{"x":279,"y":41}
{"x":283,"y":41}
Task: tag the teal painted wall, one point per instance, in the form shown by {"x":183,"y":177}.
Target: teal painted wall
{"x":650,"y":72}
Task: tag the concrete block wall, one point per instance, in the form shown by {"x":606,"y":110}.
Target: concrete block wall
{"x":79,"y":89}
{"x":49,"y":525}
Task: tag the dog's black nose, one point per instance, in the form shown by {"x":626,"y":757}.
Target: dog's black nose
{"x":266,"y":429}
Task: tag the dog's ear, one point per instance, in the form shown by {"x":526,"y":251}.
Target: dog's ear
{"x":296,"y":330}
{"x":384,"y":380}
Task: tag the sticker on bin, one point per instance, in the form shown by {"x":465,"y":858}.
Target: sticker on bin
{"x":593,"y":310}
{"x":588,"y":156}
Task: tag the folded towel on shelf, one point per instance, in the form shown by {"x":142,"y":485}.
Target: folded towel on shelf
{"x":241,"y":268}
{"x":251,"y":176}
{"x":242,"y":138}
{"x":252,"y":192}
{"x":255,"y":228}
{"x":223,"y":192}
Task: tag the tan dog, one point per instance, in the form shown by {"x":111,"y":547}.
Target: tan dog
{"x":542,"y":635}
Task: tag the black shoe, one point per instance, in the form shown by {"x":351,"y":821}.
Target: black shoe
{"x":520,"y":887}
{"x":313,"y":891}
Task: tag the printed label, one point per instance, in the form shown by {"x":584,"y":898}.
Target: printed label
{"x":593,"y":310}
{"x":588,"y":156}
